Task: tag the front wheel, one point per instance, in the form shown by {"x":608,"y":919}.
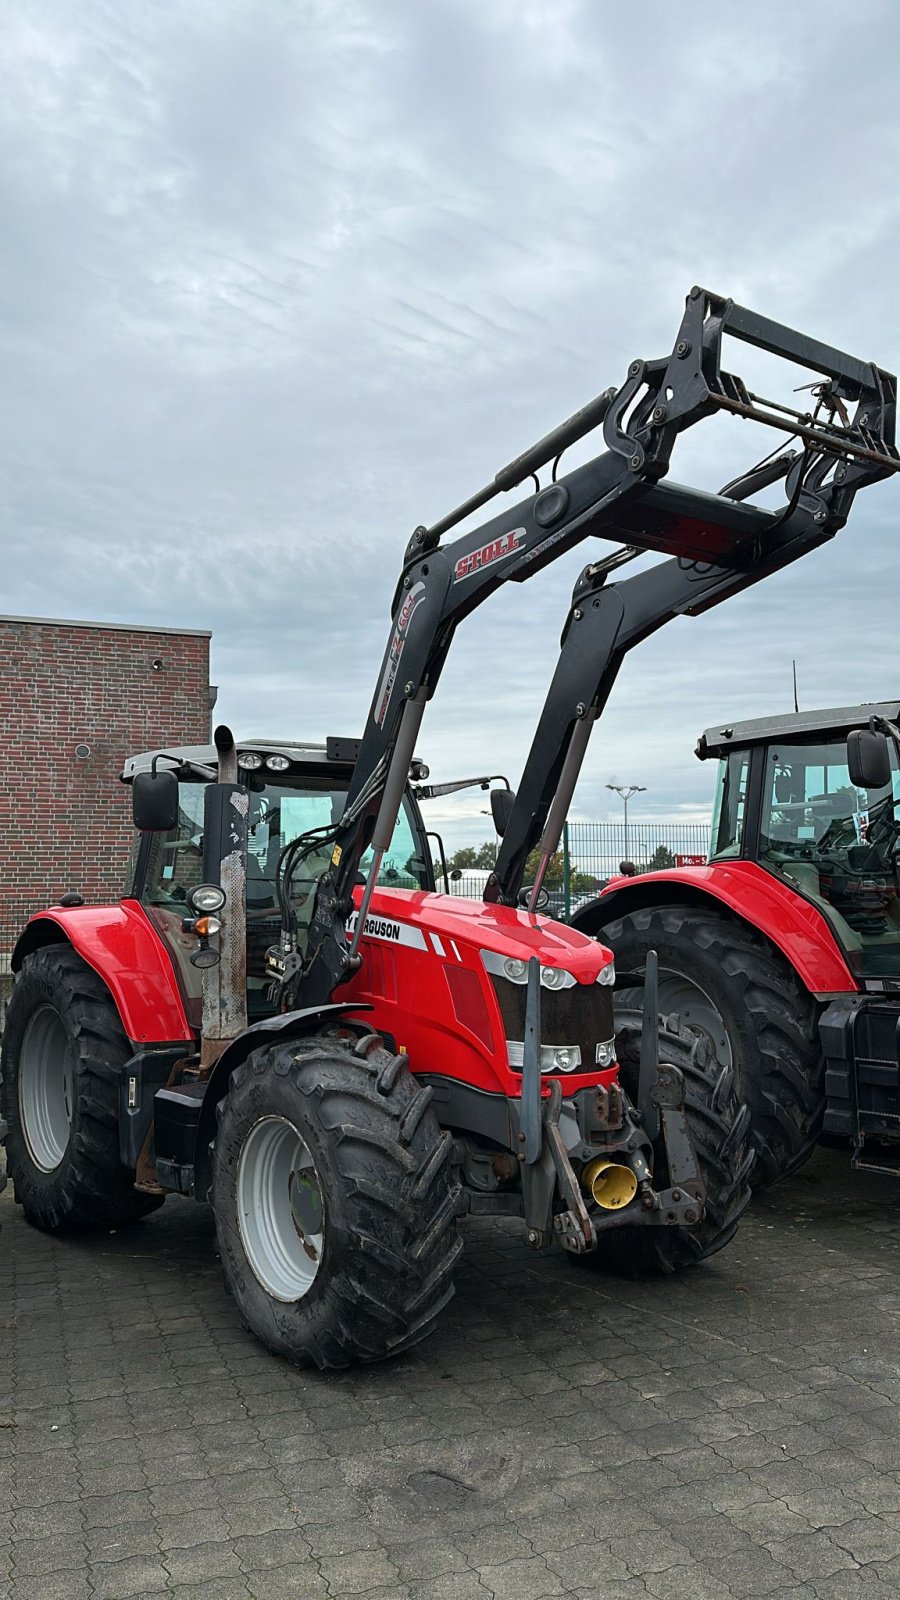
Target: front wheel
{"x":719,"y":1126}
{"x":334,"y":1202}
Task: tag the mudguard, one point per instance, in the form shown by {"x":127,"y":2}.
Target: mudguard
{"x":794,"y":925}
{"x":124,"y":949}
{"x":287,"y":1025}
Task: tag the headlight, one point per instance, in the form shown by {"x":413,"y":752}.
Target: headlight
{"x":515,"y":970}
{"x":606,"y":1053}
{"x":206,"y":956}
{"x":277,"y":763}
{"x":556,"y":978}
{"x":249,"y":761}
{"x":608,"y":975}
{"x":206,"y":897}
{"x":554,"y":1057}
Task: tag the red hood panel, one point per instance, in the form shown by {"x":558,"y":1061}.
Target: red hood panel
{"x":510,"y":932}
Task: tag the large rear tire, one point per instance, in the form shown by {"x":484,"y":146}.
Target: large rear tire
{"x":63,"y":1051}
{"x":334,"y":1202}
{"x":719,"y":1126}
{"x":727,"y":982}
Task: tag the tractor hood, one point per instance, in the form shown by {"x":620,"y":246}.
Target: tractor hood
{"x":402,"y":916}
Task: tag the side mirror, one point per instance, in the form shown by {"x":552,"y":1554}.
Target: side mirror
{"x":154,"y":801}
{"x":502,"y":802}
{"x":868,"y":759}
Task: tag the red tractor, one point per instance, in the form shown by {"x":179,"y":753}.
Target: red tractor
{"x":784,"y":950}
{"x":341,"y":1067}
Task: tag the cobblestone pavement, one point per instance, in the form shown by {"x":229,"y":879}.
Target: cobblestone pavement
{"x":728,"y":1433}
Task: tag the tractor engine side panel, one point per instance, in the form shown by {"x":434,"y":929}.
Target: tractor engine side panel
{"x":124,"y":949}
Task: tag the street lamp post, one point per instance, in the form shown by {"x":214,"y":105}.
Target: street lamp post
{"x":626,"y":790}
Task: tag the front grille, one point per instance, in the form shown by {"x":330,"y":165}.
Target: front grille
{"x":582,"y":1015}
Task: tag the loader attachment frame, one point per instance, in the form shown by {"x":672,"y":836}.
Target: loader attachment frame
{"x":616,"y":494}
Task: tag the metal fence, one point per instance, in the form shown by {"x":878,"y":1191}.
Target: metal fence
{"x":592,"y":851}
{"x":597,"y":848}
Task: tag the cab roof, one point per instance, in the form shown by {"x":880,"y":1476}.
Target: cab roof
{"x":336,"y":753}
{"x":718,"y":740}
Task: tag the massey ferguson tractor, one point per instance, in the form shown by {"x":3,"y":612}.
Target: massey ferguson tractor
{"x":341,"y":1067}
{"x":784,"y":950}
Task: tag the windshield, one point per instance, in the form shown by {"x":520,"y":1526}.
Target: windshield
{"x":838,"y":845}
{"x":278,"y":813}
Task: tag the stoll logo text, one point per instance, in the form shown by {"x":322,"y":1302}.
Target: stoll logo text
{"x":488,"y":554}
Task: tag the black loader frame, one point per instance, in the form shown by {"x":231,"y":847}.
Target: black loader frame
{"x":723,"y":545}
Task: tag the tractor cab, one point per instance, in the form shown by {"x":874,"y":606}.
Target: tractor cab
{"x":293,"y":788}
{"x":785,"y":799}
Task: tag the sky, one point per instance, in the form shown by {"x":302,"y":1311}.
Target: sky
{"x":282,"y":280}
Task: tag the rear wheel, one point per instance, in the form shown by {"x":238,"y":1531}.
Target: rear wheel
{"x":63,"y":1051}
{"x":334,"y":1201}
{"x":727,"y":983}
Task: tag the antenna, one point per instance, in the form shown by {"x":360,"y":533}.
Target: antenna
{"x":794,"y":665}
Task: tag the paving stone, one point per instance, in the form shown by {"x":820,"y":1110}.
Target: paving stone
{"x":358,"y":1573}
{"x":34,"y":1557}
{"x":123,"y":1580}
{"x":122,"y":1540}
{"x":261,"y":1550}
{"x":202,"y":1562}
{"x":215,"y":1589}
{"x":54,"y":1586}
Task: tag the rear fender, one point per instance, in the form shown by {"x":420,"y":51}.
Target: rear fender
{"x":794,"y":925}
{"x":122,"y":946}
{"x":290,"y":1025}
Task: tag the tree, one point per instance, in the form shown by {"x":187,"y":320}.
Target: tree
{"x":470,"y":857}
{"x":583,"y":882}
{"x":553,"y":877}
{"x":462,"y":858}
{"x":661,"y":858}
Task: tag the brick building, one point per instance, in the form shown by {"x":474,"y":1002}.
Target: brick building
{"x":75,"y":699}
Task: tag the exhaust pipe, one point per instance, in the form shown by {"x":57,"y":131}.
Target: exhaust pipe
{"x":611,"y":1183}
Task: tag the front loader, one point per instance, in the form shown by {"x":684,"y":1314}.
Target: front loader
{"x":417,"y":1056}
{"x":777,"y":956}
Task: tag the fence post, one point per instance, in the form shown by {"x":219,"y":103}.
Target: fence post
{"x":567,"y":880}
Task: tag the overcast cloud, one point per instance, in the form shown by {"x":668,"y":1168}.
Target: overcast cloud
{"x":281,"y":280}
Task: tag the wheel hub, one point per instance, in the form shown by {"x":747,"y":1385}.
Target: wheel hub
{"x":683,"y":996}
{"x":281,"y":1210}
{"x":46,"y":1088}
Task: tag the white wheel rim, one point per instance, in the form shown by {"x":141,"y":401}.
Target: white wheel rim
{"x":693,"y":1005}
{"x":281,"y":1209}
{"x":46,"y":1088}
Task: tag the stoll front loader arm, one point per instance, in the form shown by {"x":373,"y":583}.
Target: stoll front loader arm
{"x":721,"y":545}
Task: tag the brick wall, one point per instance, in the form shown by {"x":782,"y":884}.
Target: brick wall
{"x":75,"y":699}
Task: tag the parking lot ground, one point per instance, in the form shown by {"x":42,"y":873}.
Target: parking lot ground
{"x":731,"y":1432}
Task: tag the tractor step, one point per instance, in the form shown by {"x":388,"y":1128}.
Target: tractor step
{"x":886,"y":1161}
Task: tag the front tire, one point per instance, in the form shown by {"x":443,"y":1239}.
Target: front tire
{"x":719,"y":1126}
{"x":63,"y":1051}
{"x":727,"y":982}
{"x":334,"y":1203}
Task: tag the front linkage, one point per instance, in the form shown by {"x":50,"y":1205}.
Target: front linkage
{"x":613,"y":1142}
